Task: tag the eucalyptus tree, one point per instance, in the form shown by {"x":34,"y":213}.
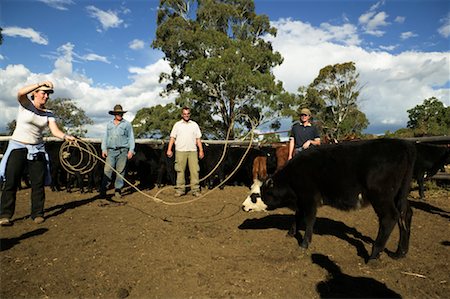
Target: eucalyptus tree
{"x":429,"y":118}
{"x":335,"y":93}
{"x":221,"y":62}
{"x":69,"y":116}
{"x":156,"y":121}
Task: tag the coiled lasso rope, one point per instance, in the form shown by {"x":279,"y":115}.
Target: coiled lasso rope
{"x":84,"y":165}
{"x":87,"y":158}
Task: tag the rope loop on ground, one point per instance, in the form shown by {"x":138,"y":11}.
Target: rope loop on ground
{"x":86,"y":159}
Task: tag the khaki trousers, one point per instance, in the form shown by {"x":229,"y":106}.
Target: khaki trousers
{"x":181,"y":160}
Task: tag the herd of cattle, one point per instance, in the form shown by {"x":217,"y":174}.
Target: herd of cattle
{"x":151,"y":167}
{"x":345,"y":175}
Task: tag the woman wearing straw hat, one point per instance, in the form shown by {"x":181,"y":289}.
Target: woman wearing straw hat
{"x":26,"y":149}
{"x":117,"y":147}
{"x":303,"y":134}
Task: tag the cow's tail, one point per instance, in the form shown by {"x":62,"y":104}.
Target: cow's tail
{"x":402,"y":203}
{"x":403,"y":192}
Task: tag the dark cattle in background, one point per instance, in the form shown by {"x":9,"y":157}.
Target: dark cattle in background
{"x":80,"y":160}
{"x":145,"y":164}
{"x":271,"y":154}
{"x":233,"y":155}
{"x":96,"y":174}
{"x":430,"y":158}
{"x":345,"y":176}
{"x":213,"y":154}
{"x":166,"y":170}
{"x":244,"y":175}
{"x":57,"y":172}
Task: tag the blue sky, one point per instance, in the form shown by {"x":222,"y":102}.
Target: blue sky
{"x":98,"y":52}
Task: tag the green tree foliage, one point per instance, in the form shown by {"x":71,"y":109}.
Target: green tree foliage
{"x":156,"y":121}
{"x":333,"y":97}
{"x":429,"y":119}
{"x":1,"y":36}
{"x":221,"y":65}
{"x":69,"y":117}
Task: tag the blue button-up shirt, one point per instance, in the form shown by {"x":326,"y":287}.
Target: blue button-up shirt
{"x":118,"y":136}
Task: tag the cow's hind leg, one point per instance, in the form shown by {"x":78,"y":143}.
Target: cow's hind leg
{"x":388,"y":216}
{"x":404,"y":225}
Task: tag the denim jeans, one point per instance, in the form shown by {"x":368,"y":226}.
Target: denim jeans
{"x":117,"y":158}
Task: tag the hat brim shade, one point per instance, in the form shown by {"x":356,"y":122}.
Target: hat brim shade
{"x":45,"y":88}
{"x":116,"y":112}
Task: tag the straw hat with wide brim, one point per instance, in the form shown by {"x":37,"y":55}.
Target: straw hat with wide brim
{"x":117,"y":110}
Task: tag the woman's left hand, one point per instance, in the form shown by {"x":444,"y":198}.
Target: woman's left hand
{"x":69,"y":138}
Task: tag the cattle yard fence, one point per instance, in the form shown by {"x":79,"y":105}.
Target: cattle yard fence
{"x":162,"y":142}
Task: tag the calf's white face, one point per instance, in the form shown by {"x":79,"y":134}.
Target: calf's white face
{"x":254,"y":202}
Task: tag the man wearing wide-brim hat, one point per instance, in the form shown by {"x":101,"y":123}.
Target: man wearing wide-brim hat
{"x":303,"y":134}
{"x":117,"y":147}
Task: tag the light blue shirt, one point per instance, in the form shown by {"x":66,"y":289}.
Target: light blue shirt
{"x":118,"y":136}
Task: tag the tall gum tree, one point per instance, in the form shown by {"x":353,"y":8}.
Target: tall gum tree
{"x":221,"y":63}
{"x":336,"y":90}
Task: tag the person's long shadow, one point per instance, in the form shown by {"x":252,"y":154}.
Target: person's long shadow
{"x":8,"y":243}
{"x":62,"y":208}
{"x":426,"y":207}
{"x":341,"y":285}
{"x":323,"y":226}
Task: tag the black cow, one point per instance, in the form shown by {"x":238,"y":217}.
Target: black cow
{"x":210,"y":162}
{"x":57,"y":172}
{"x":145,"y":163}
{"x":430,"y":158}
{"x":345,"y":176}
{"x":166,"y":168}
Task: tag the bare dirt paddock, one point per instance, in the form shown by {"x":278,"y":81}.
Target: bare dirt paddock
{"x":90,"y":248}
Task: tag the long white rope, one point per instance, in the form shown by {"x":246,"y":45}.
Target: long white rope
{"x":85,"y":165}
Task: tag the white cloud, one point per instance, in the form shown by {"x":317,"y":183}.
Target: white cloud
{"x":95,"y":57}
{"x":388,"y":48}
{"x":393,"y":83}
{"x":30,"y":33}
{"x":400,"y":19}
{"x":144,"y":91}
{"x":136,"y":44}
{"x":372,"y":21}
{"x":108,"y":19}
{"x":377,"y":5}
{"x":444,"y":30}
{"x":58,"y":4}
{"x":2,"y":57}
{"x":406,"y":35}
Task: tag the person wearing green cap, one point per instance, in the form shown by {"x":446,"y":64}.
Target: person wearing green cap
{"x":303,"y":134}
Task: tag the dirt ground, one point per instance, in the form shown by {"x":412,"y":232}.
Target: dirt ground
{"x":210,"y":248}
